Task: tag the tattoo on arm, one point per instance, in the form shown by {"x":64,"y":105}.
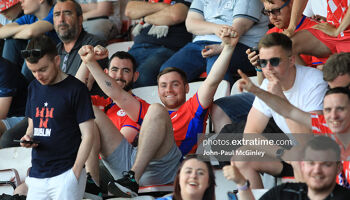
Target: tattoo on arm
{"x":109,"y":84}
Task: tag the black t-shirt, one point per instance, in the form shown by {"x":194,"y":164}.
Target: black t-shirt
{"x":13,"y":84}
{"x":56,"y":111}
{"x":298,"y":191}
{"x":177,"y":35}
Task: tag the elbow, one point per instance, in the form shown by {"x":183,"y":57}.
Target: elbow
{"x":188,"y":24}
{"x":177,"y":18}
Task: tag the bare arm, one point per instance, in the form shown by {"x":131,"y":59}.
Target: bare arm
{"x":196,"y":24}
{"x":87,"y":138}
{"x":9,"y":30}
{"x":255,"y":116}
{"x":297,"y":12}
{"x":208,"y":88}
{"x":139,"y":9}
{"x":84,"y":76}
{"x":108,"y":85}
{"x":90,"y":10}
{"x":5,"y":103}
{"x":278,"y":104}
{"x":168,"y":16}
{"x":33,"y":30}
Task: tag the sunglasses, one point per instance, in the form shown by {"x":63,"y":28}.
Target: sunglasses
{"x":275,"y":61}
{"x":275,"y":11}
{"x":36,"y":53}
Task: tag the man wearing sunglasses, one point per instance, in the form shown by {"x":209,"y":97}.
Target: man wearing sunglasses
{"x":301,"y":86}
{"x":60,"y":126}
{"x":335,"y":121}
{"x":225,"y":110}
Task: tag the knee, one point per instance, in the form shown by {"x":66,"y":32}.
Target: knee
{"x":245,"y":165}
{"x":157,"y":111}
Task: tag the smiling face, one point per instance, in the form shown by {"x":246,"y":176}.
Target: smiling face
{"x":318,"y":173}
{"x":193,"y":178}
{"x":122,"y":71}
{"x":337,"y":112}
{"x":282,"y":19}
{"x":172,"y":90}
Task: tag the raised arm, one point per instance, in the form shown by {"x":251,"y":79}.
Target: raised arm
{"x":108,"y":85}
{"x":87,"y":138}
{"x":208,"y":88}
{"x":139,"y":9}
{"x":278,"y":104}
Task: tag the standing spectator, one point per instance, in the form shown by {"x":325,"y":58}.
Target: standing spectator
{"x":60,"y":115}
{"x":165,"y":18}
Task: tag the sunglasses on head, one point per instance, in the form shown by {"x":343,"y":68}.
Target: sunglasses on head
{"x":275,"y":61}
{"x":36,"y":53}
{"x":275,"y":11}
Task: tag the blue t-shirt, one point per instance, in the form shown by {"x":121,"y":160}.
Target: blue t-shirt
{"x":56,"y":111}
{"x":30,"y":19}
{"x":13,"y":84}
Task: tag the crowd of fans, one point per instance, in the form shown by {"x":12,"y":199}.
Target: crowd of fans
{"x":64,"y":96}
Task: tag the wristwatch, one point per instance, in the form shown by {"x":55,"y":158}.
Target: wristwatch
{"x":279,"y":153}
{"x":244,"y":187}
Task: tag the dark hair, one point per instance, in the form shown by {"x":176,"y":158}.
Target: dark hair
{"x":272,"y":1}
{"x":123,"y":55}
{"x":336,"y":65}
{"x":339,"y":90}
{"x":209,"y":193}
{"x":44,"y":44}
{"x":50,"y":2}
{"x":276,"y":39}
{"x":173,"y":69}
{"x":323,"y":143}
{"x":77,"y":7}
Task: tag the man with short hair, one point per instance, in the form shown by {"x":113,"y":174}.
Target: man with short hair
{"x":178,"y":122}
{"x":301,"y":86}
{"x":235,"y":108}
{"x":68,"y":19}
{"x":60,"y":129}
{"x":335,"y":119}
{"x":37,"y":20}
{"x":319,"y":167}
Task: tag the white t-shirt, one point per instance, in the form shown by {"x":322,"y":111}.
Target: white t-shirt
{"x":307,"y":94}
{"x":316,"y":7}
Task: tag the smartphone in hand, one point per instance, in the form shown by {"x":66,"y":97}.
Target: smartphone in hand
{"x":27,"y":142}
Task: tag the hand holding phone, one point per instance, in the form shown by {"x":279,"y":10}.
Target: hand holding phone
{"x":27,"y":142}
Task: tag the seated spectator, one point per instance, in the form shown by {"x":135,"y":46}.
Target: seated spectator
{"x":180,"y":119}
{"x":11,"y":10}
{"x":226,"y":110}
{"x":326,"y":38}
{"x":122,"y":69}
{"x":151,"y":49}
{"x":205,"y":18}
{"x":36,"y":21}
{"x":333,"y":121}
{"x":301,"y":86}
{"x":101,"y":17}
{"x":13,"y":97}
{"x":320,"y":168}
{"x":195,"y":179}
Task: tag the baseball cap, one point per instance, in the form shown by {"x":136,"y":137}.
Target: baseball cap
{"x":6,"y":4}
